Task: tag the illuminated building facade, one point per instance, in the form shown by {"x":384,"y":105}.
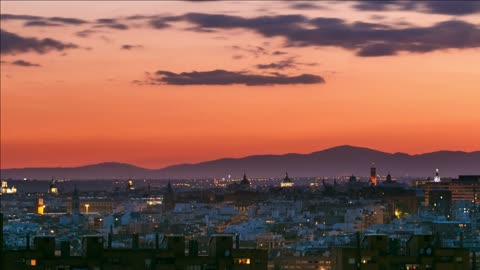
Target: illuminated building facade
{"x":40,"y":206}
{"x":91,"y":205}
{"x":53,"y":190}
{"x":7,"y":190}
{"x":437,"y":177}
{"x":130,"y":186}
{"x":373,"y":175}
{"x":286,"y":182}
{"x":465,"y":188}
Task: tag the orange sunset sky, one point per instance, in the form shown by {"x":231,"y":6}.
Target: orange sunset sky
{"x":79,"y":80}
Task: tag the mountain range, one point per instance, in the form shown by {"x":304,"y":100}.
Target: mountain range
{"x":337,"y":161}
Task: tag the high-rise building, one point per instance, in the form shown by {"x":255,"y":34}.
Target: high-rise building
{"x":169,"y":198}
{"x":373,"y":175}
{"x":75,"y":202}
{"x":465,"y":188}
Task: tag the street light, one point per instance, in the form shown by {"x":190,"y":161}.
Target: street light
{"x":86,"y":208}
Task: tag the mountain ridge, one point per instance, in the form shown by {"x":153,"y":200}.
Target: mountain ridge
{"x":334,"y":161}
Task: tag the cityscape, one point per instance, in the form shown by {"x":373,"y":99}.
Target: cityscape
{"x":235,"y":135}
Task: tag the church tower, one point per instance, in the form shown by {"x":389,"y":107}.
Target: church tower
{"x":53,"y":190}
{"x":373,"y":175}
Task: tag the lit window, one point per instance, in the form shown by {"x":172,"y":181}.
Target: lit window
{"x":242,"y":261}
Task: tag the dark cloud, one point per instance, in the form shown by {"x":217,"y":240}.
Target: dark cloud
{"x":139,"y":17}
{"x":24,"y":63}
{"x":224,"y":77}
{"x":376,"y":5}
{"x":358,"y":36}
{"x":200,"y":30}
{"x":40,"y":24}
{"x":13,"y":43}
{"x":305,"y":6}
{"x":289,"y":63}
{"x":280,"y":65}
{"x":457,"y":8}
{"x":377,"y":49}
{"x":86,"y":33}
{"x":256,"y":51}
{"x":106,"y":20}
{"x":43,"y":21}
{"x":73,"y":21}
{"x":130,"y":47}
{"x":110,"y":23}
{"x":452,"y":7}
{"x":269,"y":25}
{"x":279,"y":53}
{"x":117,"y":26}
{"x":19,"y":17}
{"x":159,"y":22}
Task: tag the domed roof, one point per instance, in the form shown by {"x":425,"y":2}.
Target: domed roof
{"x":245,"y":180}
{"x":287,"y":179}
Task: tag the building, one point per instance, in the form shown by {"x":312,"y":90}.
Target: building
{"x":75,"y":202}
{"x":90,"y":205}
{"x":53,"y":189}
{"x":6,"y":189}
{"x":169,"y":199}
{"x":440,"y":202}
{"x":270,"y":241}
{"x":169,"y":254}
{"x":301,"y":263}
{"x":379,"y":252}
{"x":130,"y":186}
{"x":437,"y":177}
{"x":465,"y":188}
{"x":373,"y":175}
{"x":245,"y":182}
{"x":40,"y":206}
{"x":389,"y":179}
{"x":286,"y":182}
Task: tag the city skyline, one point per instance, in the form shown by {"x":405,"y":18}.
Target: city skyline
{"x":161,"y":83}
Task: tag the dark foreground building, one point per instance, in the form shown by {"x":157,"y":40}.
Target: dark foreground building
{"x":171,"y":254}
{"x":378,"y":252}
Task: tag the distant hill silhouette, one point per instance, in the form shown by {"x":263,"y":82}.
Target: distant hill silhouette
{"x":336,"y":161}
